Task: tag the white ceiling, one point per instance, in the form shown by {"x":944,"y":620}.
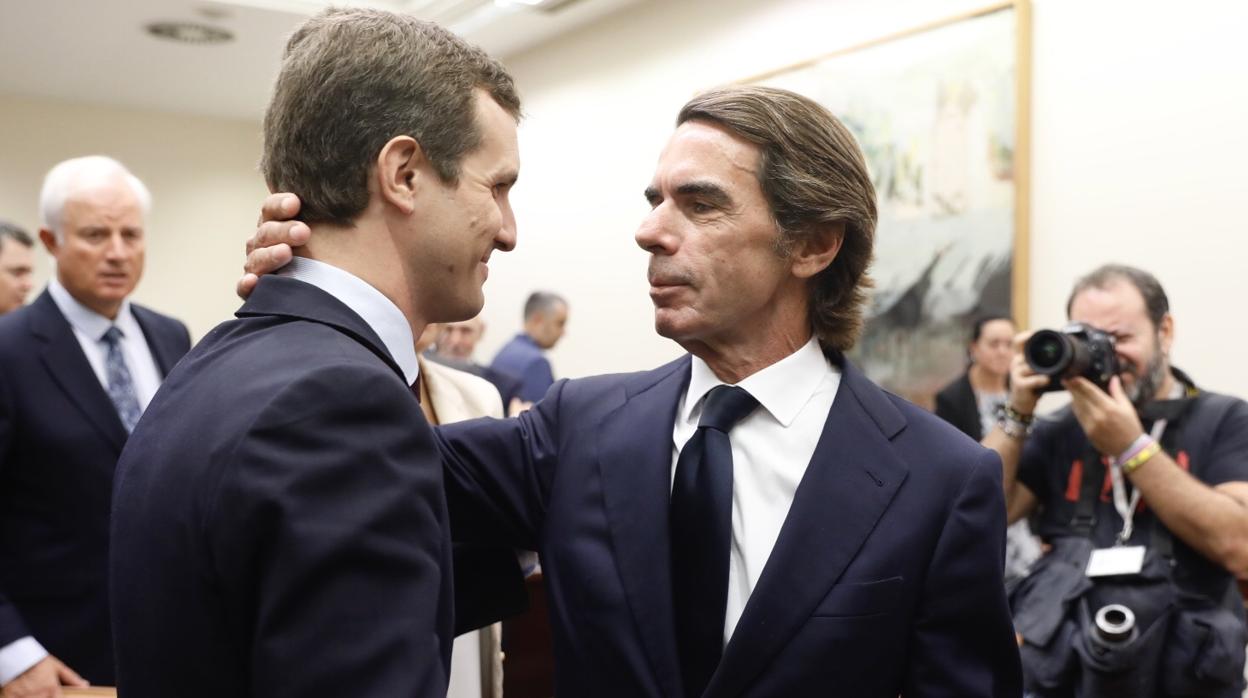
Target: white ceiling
{"x":97,"y":51}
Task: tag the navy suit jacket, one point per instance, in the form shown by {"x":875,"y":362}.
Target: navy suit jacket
{"x":60,"y":437}
{"x":886,"y":578}
{"x":279,"y":523}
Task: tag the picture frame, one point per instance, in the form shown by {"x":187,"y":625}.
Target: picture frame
{"x":942,"y":112}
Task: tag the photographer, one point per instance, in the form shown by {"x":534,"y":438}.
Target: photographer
{"x":1142,"y":487}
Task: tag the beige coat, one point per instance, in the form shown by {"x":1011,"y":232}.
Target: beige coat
{"x":454,"y":396}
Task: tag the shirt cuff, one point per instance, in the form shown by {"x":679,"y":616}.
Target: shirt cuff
{"x":18,"y":656}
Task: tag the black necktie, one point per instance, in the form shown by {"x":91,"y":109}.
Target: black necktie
{"x":701,"y":534}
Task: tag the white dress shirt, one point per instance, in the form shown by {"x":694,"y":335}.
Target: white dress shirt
{"x":378,"y":312}
{"x":89,"y":328}
{"x":770,"y":451}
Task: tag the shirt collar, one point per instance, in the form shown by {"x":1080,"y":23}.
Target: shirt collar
{"x":782,"y":388}
{"x":86,"y":320}
{"x":377,"y":311}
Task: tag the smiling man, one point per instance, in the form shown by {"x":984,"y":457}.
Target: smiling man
{"x":280,"y":527}
{"x":77,"y":368}
{"x":755,"y":518}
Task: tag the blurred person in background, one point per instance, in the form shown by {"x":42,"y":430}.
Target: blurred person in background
{"x":458,"y":340}
{"x":971,"y":403}
{"x":545,"y":321}
{"x":17,"y":266}
{"x":455,"y":344}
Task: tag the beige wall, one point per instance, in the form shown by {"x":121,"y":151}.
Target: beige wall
{"x":1139,"y":156}
{"x":202,"y":174}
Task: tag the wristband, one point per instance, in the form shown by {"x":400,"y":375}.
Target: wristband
{"x":1136,"y":446}
{"x":1016,"y":416}
{"x":1146,"y":454}
{"x":1012,"y":423}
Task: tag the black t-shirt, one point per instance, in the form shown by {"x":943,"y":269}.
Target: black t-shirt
{"x":1056,"y":455}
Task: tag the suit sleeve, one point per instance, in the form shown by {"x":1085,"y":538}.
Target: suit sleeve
{"x":330,"y":525}
{"x":498,"y":473}
{"x":963,"y":642}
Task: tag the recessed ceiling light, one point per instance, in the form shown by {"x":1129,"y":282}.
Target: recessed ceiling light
{"x":189,"y":33}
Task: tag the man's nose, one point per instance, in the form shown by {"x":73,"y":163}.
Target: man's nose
{"x":117,"y":248}
{"x":506,"y":238}
{"x":655,"y":234}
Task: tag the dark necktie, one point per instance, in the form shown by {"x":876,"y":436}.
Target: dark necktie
{"x":415,"y":388}
{"x":120,"y":384}
{"x":701,"y":535}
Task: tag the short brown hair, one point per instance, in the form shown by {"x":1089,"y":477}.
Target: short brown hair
{"x":812,"y":173}
{"x":351,"y":80}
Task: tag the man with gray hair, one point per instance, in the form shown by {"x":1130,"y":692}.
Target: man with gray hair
{"x":77,"y":368}
{"x":16,"y":266}
{"x":545,"y":321}
{"x":280,"y":527}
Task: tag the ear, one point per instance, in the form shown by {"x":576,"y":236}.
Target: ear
{"x":1165,"y":333}
{"x":401,"y":169}
{"x":815,"y":252}
{"x":48,"y":238}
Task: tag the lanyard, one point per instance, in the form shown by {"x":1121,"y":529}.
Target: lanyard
{"x":1126,"y":509}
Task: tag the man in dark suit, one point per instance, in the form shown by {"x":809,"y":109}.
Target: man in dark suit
{"x":77,"y":367}
{"x":756,"y":519}
{"x":279,"y":526}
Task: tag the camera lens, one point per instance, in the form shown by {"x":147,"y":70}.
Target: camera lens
{"x":1048,"y":352}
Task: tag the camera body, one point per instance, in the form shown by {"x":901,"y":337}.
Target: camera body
{"x":1075,"y":350}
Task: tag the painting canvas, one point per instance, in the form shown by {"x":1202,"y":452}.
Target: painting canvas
{"x":937,"y":113}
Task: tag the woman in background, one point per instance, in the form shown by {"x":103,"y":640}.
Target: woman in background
{"x":970,"y":403}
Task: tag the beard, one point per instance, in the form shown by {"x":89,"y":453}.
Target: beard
{"x":1148,"y":382}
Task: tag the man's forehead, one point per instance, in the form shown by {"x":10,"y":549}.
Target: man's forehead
{"x":702,"y":150}
{"x":1115,"y":304}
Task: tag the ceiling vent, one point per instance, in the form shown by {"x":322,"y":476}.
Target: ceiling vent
{"x":189,"y":33}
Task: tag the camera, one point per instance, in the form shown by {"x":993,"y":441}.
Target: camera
{"x":1075,"y":350}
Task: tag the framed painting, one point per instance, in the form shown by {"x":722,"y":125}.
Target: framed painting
{"x":941,"y":112}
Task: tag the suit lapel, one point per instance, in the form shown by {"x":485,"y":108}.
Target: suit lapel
{"x":68,"y":366}
{"x":849,"y":483}
{"x":635,"y":459}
